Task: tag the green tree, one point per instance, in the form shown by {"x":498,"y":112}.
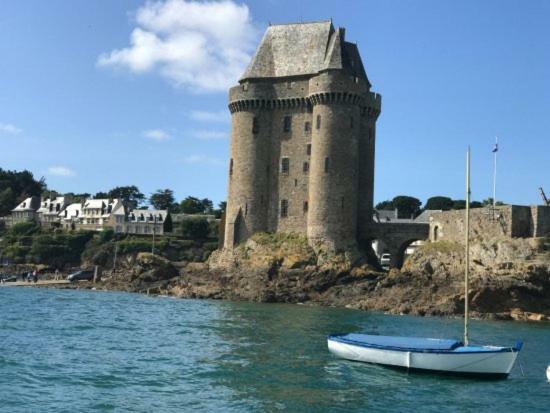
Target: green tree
{"x":22,"y":185}
{"x":130,"y":195}
{"x":101,"y":195}
{"x":7,"y":201}
{"x":474,"y":204}
{"x":168,"y":225}
{"x":192,"y":205}
{"x":385,"y":205}
{"x":407,"y":206}
{"x":459,"y":204}
{"x":162,"y":199}
{"x":440,"y":203}
{"x":194,"y":229}
{"x":207,"y":205}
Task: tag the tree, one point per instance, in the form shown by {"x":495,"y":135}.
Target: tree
{"x":130,"y":195}
{"x":195,"y":229}
{"x":21,"y":185}
{"x":7,"y":201}
{"x":474,"y":204}
{"x":489,"y":202}
{"x":385,"y":205}
{"x":407,"y":206}
{"x":440,"y":203}
{"x":192,"y":205}
{"x":222,"y":206}
{"x":100,"y":195}
{"x":72,"y":197}
{"x":162,"y":199}
{"x":459,"y":204}
{"x":168,"y":225}
{"x":208,"y":206}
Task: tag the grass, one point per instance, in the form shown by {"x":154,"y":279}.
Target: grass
{"x":443,"y":247}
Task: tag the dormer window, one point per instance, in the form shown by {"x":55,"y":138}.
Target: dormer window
{"x":255,"y":125}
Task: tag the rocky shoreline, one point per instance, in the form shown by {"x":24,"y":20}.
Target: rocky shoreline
{"x":510,"y":279}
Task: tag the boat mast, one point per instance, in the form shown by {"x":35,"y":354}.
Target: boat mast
{"x":467,"y":252}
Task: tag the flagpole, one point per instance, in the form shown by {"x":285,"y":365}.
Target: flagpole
{"x":495,"y":151}
{"x":467,"y":249}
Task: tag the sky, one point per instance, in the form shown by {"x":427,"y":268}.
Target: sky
{"x":97,"y":94}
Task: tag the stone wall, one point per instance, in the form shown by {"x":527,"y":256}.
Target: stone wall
{"x":511,"y":221}
{"x":541,"y":220}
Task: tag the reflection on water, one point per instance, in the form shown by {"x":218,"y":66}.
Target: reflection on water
{"x":93,"y":351}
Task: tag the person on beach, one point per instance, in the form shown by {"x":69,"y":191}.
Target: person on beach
{"x":35,"y":276}
{"x":56,"y":274}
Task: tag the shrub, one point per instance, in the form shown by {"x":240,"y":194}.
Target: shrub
{"x":24,"y":228}
{"x":195,"y":229}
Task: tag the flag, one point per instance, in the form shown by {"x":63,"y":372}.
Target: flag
{"x":495,"y":148}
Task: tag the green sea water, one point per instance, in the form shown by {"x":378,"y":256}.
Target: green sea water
{"x":88,"y":351}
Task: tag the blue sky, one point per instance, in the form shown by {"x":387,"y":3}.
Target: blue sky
{"x":106,"y":93}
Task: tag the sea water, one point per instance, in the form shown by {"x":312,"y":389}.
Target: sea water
{"x":91,"y":351}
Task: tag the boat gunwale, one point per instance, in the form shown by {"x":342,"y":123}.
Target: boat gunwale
{"x":340,"y":339}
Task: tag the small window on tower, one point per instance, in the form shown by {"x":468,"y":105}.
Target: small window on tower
{"x":327,"y":164}
{"x":285,"y":165}
{"x":342,"y":203}
{"x":284,"y":208}
{"x":306,"y":167}
{"x":306,"y":207}
{"x":231,"y":167}
{"x":255,"y":125}
{"x":351,"y":122}
{"x":318,"y":125}
{"x":308,"y":149}
{"x":287,"y":123}
{"x":307,"y":127}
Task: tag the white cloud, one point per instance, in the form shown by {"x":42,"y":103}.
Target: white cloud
{"x":202,"y":159}
{"x":201,"y":46}
{"x":156,"y":134}
{"x":60,"y":171}
{"x":9,"y":129}
{"x":208,"y":135}
{"x":221,"y":116}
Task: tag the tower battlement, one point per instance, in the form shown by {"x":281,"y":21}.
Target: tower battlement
{"x":302,"y":139}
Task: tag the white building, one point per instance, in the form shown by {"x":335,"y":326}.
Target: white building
{"x":70,"y":216}
{"x":49,"y":210}
{"x":26,"y":210}
{"x":144,"y":221}
{"x":98,"y":214}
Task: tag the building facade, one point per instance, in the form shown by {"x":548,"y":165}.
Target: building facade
{"x":302,"y":139}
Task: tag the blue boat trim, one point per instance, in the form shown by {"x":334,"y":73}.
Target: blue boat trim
{"x":417,"y":344}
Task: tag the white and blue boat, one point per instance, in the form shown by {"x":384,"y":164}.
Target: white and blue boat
{"x":426,"y":354}
{"x":431,"y":354}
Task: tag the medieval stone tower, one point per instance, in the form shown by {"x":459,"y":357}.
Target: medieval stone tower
{"x":302,"y":139}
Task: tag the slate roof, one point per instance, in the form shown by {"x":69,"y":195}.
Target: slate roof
{"x":301,"y":49}
{"x":30,"y":204}
{"x":424,"y":217}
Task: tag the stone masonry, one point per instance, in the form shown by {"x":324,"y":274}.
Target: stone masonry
{"x":302,"y":139}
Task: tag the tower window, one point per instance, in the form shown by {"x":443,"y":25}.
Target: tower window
{"x":285,"y":165}
{"x":342,"y":203}
{"x":231,"y":167}
{"x":306,"y":206}
{"x":318,"y":125}
{"x":284,"y":208}
{"x":255,"y":125}
{"x":308,"y":149}
{"x":246,"y":209}
{"x":295,"y":182}
{"x":307,"y":127}
{"x":351,"y":122}
{"x":327,"y":164}
{"x":306,"y":167}
{"x":287,"y":123}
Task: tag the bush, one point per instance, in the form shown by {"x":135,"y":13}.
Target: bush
{"x":24,"y":228}
{"x":195,"y":229}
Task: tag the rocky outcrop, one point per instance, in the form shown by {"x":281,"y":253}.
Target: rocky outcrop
{"x":510,"y":279}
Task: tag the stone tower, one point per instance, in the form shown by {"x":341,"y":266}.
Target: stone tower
{"x":302,"y":139}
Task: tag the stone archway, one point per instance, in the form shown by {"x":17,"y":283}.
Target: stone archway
{"x":397,"y":237}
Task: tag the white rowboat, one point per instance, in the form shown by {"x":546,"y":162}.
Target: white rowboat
{"x":426,"y":354}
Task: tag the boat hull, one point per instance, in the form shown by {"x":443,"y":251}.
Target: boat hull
{"x":486,"y":363}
